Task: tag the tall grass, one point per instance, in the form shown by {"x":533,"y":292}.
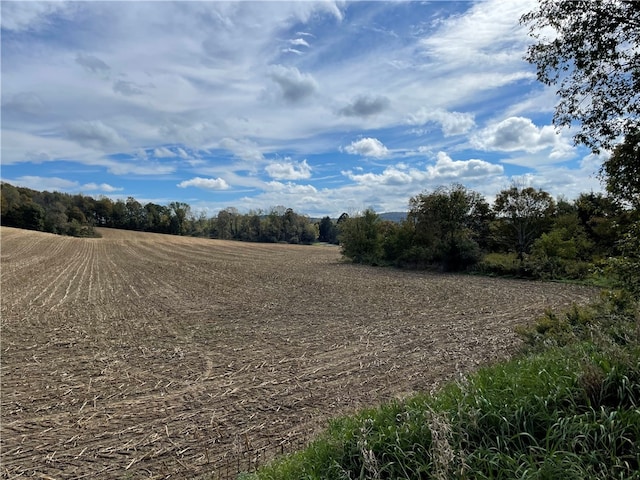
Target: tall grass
{"x":569,"y":408}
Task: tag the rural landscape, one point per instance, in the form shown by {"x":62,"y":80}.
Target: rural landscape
{"x":451,"y":292}
{"x":140,"y":355}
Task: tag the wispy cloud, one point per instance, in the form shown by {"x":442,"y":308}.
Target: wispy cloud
{"x":452,"y":123}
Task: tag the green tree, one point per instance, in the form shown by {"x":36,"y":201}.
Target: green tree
{"x":622,"y":169}
{"x":447,"y":223}
{"x":589,"y":50}
{"x":600,"y":218}
{"x":180,"y":212}
{"x":103,"y":211}
{"x":526,"y":213}
{"x":135,"y":214}
{"x":327,"y":231}
{"x":360,"y":238}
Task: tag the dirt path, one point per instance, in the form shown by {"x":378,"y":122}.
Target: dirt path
{"x":152,"y":356}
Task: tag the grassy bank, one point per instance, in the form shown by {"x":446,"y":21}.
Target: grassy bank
{"x":568,"y":407}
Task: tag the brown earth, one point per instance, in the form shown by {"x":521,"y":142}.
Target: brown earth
{"x":151,"y":356}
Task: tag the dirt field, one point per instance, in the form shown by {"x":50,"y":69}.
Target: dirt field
{"x":151,"y":356}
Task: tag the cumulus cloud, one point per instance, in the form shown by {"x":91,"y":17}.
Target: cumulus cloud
{"x":390,"y":176}
{"x":447,"y":169}
{"x":365,"y":106}
{"x":295,"y":87}
{"x":205,"y":183}
{"x":521,"y":134}
{"x":444,"y":170}
{"x":368,"y":147}
{"x":94,"y":134}
{"x":452,"y":123}
{"x":92,"y":64}
{"x":289,"y":170}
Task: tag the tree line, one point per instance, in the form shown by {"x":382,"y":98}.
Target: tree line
{"x":78,"y":215}
{"x":525,"y":232}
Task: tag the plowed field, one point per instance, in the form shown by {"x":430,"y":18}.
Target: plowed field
{"x":150,"y":356}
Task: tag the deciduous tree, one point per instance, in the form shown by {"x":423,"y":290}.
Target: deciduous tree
{"x":526,"y":212}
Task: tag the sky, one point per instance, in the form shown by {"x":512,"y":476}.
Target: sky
{"x":324,"y":107}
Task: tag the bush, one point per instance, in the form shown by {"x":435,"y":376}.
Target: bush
{"x":501,"y":264}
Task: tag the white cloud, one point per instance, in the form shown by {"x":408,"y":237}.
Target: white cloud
{"x":103,"y":187}
{"x":390,"y":176}
{"x":205,"y":183}
{"x":452,"y":123}
{"x":368,"y":147}
{"x":163,"y":152}
{"x":291,"y":50}
{"x":445,"y":170}
{"x":488,"y":35}
{"x":290,"y":188}
{"x":521,"y":134}
{"x":244,"y":149}
{"x":299,"y":42}
{"x":60,"y":184}
{"x":44,"y":183}
{"x":289,"y":170}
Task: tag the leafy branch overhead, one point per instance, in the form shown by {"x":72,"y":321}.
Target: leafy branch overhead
{"x":589,"y":49}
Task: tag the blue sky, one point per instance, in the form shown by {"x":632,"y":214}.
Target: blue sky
{"x":323,"y":107}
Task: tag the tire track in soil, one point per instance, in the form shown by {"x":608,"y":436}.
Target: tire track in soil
{"x":164,"y":356}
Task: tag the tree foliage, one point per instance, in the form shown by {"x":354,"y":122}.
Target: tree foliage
{"x":526,"y":213}
{"x":447,"y":224}
{"x":77,"y":215}
{"x":361,"y":239}
{"x":589,"y":50}
{"x":622,"y":170}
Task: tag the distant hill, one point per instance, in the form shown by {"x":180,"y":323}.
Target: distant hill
{"x":393,"y":216}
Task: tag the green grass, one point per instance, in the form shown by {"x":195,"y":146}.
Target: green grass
{"x":568,"y":408}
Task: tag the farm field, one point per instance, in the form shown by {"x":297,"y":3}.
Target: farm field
{"x":139,"y":355}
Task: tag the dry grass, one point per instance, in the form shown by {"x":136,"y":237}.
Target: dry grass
{"x":154,"y":356}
